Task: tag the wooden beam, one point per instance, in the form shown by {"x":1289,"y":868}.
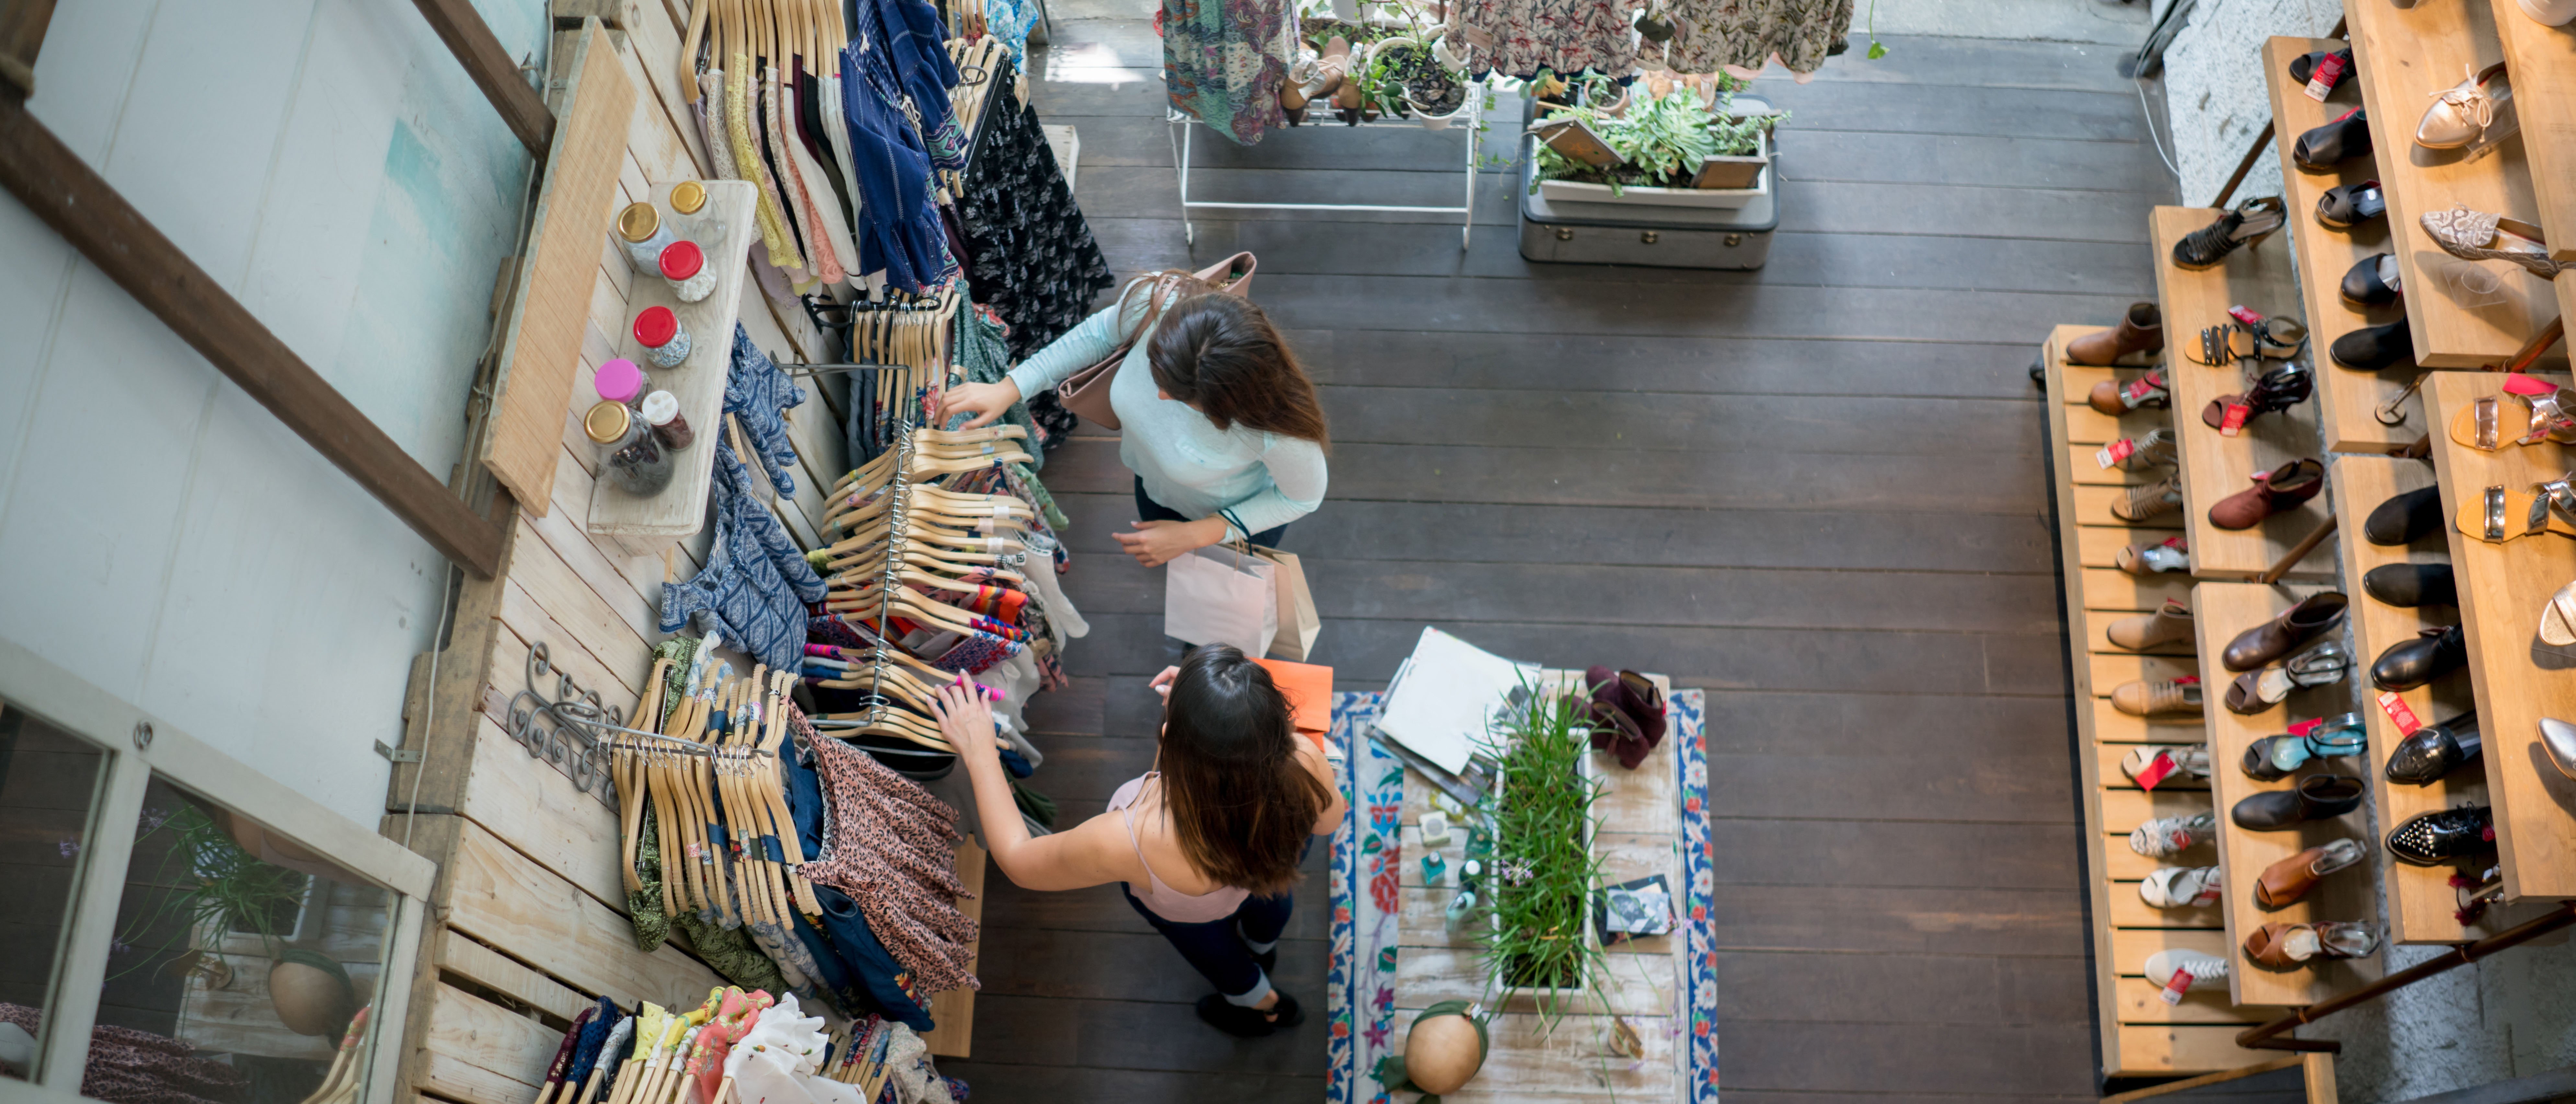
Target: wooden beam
{"x":22,"y":33}
{"x":61,"y":189}
{"x":475,"y":47}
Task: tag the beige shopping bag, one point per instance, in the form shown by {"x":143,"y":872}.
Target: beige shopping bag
{"x":1298,"y":625}
{"x":1222,"y":595}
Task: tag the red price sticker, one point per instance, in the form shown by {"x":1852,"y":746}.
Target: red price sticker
{"x":2116,"y":451}
{"x":2399,"y":713}
{"x":2175,"y":986}
{"x":2245,"y":314}
{"x":2139,"y":389}
{"x":2234,"y":422}
{"x":2307,"y":726}
{"x":2157,"y":771}
{"x":2328,"y":74}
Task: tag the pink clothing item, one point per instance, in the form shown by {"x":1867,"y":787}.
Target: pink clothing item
{"x":1168,"y":903}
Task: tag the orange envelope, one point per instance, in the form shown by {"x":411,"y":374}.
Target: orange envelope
{"x":1309,"y":689}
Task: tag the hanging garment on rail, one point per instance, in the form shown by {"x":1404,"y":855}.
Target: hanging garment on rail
{"x":983,"y":354}
{"x":1224,"y":62}
{"x":1035,"y":262}
{"x":889,"y":848}
{"x":756,"y":582}
{"x":760,"y":395}
{"x":853,"y":960}
{"x":1517,"y":38}
{"x":900,"y":233}
{"x":1741,"y":36}
{"x":908,"y":35}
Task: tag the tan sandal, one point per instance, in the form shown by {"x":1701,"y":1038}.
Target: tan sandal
{"x":2501,"y":513}
{"x":2547,"y":413}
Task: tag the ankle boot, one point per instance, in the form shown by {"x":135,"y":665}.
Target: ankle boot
{"x":2276,"y":491}
{"x":2142,"y":330}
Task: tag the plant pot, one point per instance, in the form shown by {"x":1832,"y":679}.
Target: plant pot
{"x":1440,"y":121}
{"x":1569,"y":191}
{"x":1563,"y":996}
{"x":311,"y":994}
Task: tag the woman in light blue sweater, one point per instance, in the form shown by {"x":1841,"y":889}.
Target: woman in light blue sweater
{"x":1220,"y":425}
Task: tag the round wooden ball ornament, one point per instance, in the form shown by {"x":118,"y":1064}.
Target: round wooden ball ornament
{"x":1442,"y":1051}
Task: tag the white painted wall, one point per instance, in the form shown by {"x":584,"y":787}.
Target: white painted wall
{"x":161,"y":535}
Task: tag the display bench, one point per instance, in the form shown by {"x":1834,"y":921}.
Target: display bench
{"x":2140,"y":1033}
{"x":2346,"y":400}
{"x":2215,"y":465}
{"x":2403,"y":56}
{"x":2219,"y":612}
{"x":2517,"y":679}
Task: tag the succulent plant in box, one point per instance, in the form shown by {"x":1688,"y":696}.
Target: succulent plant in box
{"x":1659,"y":142}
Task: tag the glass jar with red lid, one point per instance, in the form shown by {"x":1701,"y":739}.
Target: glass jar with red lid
{"x":658,"y":330}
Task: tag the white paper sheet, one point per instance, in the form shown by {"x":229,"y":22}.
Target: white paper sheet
{"x":1445,"y":696}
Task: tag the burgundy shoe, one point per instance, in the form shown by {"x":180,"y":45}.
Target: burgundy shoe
{"x":2277,"y":491}
{"x":1628,"y":713}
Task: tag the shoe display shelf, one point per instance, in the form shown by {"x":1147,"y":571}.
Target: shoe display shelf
{"x":2220,"y":611}
{"x":2140,"y":1033}
{"x":2403,"y":56}
{"x":2423,"y":906}
{"x":2214,"y":465}
{"x":2540,"y":66}
{"x":2516,"y":677}
{"x":2346,"y":400}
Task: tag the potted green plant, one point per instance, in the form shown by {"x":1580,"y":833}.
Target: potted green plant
{"x":215,"y":890}
{"x":1670,"y":150}
{"x":1538,"y":884}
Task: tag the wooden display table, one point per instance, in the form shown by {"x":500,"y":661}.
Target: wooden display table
{"x":2404,"y":55}
{"x":2140,"y":1034}
{"x":2518,"y":680}
{"x":2214,"y":465}
{"x":2345,"y":398}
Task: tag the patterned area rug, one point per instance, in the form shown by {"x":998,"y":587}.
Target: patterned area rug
{"x":1367,"y":858}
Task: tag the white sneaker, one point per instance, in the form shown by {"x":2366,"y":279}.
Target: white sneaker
{"x":2166,"y":836}
{"x":2204,"y":969}
{"x":2550,"y":13}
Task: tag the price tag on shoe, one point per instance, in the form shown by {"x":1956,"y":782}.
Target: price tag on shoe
{"x":2329,"y":73}
{"x":2233,"y":423}
{"x":2112,"y":454}
{"x":2175,"y":986}
{"x":2245,"y":314}
{"x":2139,"y":390}
{"x":2399,"y":713}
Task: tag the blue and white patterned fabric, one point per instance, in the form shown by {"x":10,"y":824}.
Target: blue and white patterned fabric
{"x":759,"y":394}
{"x":756,"y":582}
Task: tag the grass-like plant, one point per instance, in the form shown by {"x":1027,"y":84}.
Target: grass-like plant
{"x":1540,"y":879}
{"x":215,"y":887}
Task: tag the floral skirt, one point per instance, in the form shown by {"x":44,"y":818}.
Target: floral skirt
{"x":1744,"y":34}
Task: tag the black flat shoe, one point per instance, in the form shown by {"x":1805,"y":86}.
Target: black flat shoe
{"x":2433,"y":751}
{"x":2349,"y":205}
{"x":2431,"y":839}
{"x":2407,"y":586}
{"x":2412,"y":663}
{"x":1250,"y":1023}
{"x":2317,"y":797}
{"x":2404,"y":518}
{"x":2372,"y":348}
{"x":2322,"y":148}
{"x":2305,"y":65}
{"x":2251,"y":222}
{"x":2372,"y":281}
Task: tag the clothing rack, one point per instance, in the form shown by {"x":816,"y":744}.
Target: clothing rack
{"x":896,"y":530}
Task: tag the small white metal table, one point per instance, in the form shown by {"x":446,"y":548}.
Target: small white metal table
{"x":1468,"y":122}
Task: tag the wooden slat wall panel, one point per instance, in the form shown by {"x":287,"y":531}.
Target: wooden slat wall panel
{"x":481,"y":1053}
{"x":536,"y":376}
{"x":503,"y":898}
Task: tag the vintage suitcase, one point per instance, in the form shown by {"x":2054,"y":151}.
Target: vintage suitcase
{"x":1639,"y":234}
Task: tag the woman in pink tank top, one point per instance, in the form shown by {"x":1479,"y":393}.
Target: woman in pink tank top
{"x":1207,"y":845}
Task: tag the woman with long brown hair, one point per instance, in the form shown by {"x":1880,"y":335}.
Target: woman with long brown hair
{"x":1218,"y":422}
{"x":1207,"y":843}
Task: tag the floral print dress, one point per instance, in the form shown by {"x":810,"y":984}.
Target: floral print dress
{"x":1742,"y":35}
{"x":1517,"y":38}
{"x":1224,"y":62}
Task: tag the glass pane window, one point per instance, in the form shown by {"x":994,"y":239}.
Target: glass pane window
{"x":240,"y":966}
{"x":48,"y":784}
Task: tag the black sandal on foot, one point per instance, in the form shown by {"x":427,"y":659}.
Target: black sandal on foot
{"x":1250,"y":1023}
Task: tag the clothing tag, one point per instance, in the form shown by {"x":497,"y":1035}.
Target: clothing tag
{"x":2234,"y":421}
{"x":2328,"y":73}
{"x":2116,"y":451}
{"x":2174,"y":987}
{"x":2245,"y":314}
{"x":2307,"y":726}
{"x":2157,"y":771}
{"x":2399,"y":712}
{"x":1479,"y":37}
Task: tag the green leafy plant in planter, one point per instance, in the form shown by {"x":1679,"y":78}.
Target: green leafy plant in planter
{"x":1663,"y":141}
{"x":217,"y":887}
{"x":1539,"y":881}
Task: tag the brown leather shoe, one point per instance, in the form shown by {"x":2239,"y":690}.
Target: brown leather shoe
{"x":2282,"y":946}
{"x":2115,"y":398}
{"x":2275,"y":491}
{"x":2282,"y":635}
{"x":2142,"y":330}
{"x":2290,"y":879}
{"x":2152,"y":699}
{"x":2170,"y":622}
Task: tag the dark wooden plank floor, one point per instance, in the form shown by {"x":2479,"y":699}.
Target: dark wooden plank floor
{"x":1814,"y":490}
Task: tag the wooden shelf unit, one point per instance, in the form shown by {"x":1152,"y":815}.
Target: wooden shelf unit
{"x":2404,"y":55}
{"x":2422,"y":906}
{"x":2540,"y":65}
{"x":2140,"y":1034}
{"x":645,"y":524}
{"x":2345,"y":398}
{"x":2215,"y":465}
{"x":2219,"y":612}
{"x":2517,"y":679}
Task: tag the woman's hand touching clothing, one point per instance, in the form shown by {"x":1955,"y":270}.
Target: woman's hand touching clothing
{"x":986,"y":401}
{"x":1092,"y":853}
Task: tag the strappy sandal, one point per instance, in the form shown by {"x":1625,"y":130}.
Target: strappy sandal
{"x":2479,"y":236}
{"x":2548,"y":414}
{"x":2114,"y":398}
{"x":2322,"y":665}
{"x":2252,"y":221}
{"x":2461,"y":114}
{"x":2181,"y":887}
{"x":2279,"y":337}
{"x":2282,"y":946}
{"x":2151,"y":766}
{"x":2160,"y":557}
{"x":2166,"y":836}
{"x":2502,"y":513}
{"x":2278,"y":390}
{"x":2349,"y":205}
{"x":2273,"y":758}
